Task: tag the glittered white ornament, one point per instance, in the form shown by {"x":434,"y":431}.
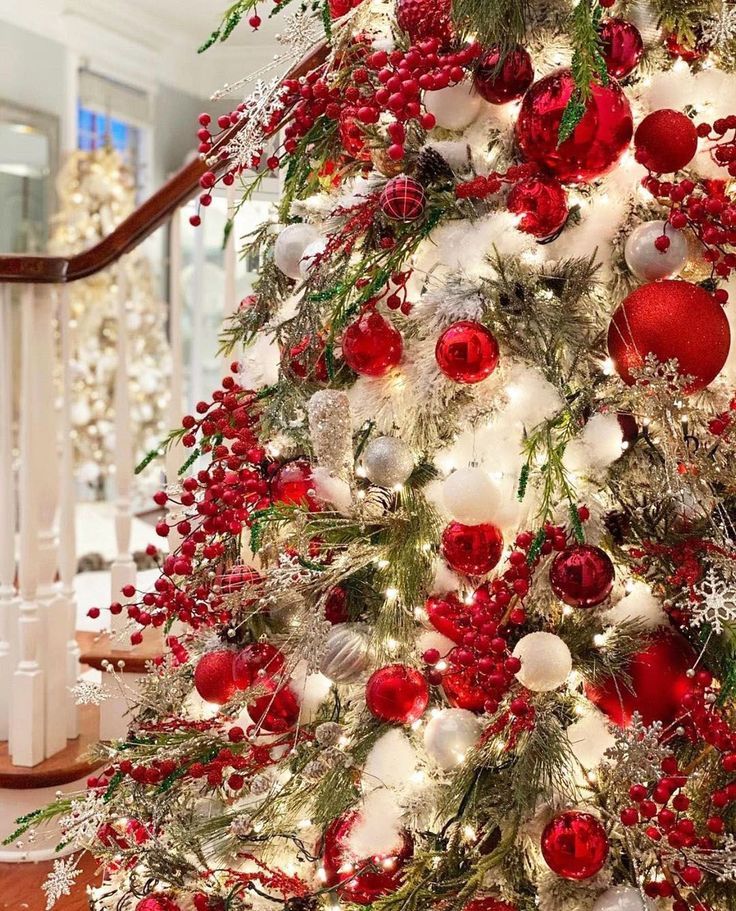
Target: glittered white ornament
{"x":546,"y":662}
{"x":645,"y":260}
{"x":387,"y":461}
{"x":470,"y":496}
{"x":290,"y":246}
{"x":449,"y":734}
{"x":455,"y":107}
{"x":589,"y":738}
{"x":345,"y":655}
{"x":622,"y":898}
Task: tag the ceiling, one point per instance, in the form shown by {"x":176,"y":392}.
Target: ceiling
{"x":195,"y":19}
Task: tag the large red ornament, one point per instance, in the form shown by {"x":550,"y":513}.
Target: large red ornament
{"x":292,"y":484}
{"x":403,"y":199}
{"x":622,"y":46}
{"x":582,"y":575}
{"x":425,"y":19}
{"x":397,"y":694}
{"x":467,"y":352}
{"x":670,"y":319}
{"x":542,"y":204}
{"x":254,"y":662}
{"x":157,"y":903}
{"x":652,"y":684}
{"x":213,"y":676}
{"x":277,"y":711}
{"x":507,"y":82}
{"x":472,"y":549}
{"x":665,"y":141}
{"x":361,"y":880}
{"x":596,"y":143}
{"x":371,"y":346}
{"x":574,"y":845}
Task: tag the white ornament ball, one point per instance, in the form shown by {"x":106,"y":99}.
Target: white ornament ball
{"x":546,"y":662}
{"x":345,"y":655}
{"x":470,"y":496}
{"x":644,"y":259}
{"x":589,"y":738}
{"x":622,"y":898}
{"x":455,"y":107}
{"x":388,"y":461}
{"x":449,"y":734}
{"x":307,"y":262}
{"x":290,"y":247}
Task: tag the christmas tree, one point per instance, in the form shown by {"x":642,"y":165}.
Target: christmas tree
{"x":457,"y":576}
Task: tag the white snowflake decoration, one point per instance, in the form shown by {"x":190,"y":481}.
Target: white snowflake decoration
{"x":87,"y":692}
{"x":717,"y":606}
{"x":721,"y":29}
{"x":60,"y":881}
{"x":260,"y":106}
{"x":636,"y":755}
{"x":82,"y":822}
{"x":302,"y":31}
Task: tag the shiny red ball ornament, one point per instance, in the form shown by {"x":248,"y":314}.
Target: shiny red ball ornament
{"x":622,"y":46}
{"x":500,"y":79}
{"x":157,"y":903}
{"x":371,"y":346}
{"x":463,"y":691}
{"x":403,"y":199}
{"x":422,"y":19}
{"x":361,"y":880}
{"x":467,"y":352}
{"x":213,"y":676}
{"x":277,"y":711}
{"x":472,"y":549}
{"x":597,"y":142}
{"x":575,"y":845}
{"x":582,"y":575}
{"x":351,"y":133}
{"x":652,"y":683}
{"x":665,"y":141}
{"x":256,"y":661}
{"x":449,"y":616}
{"x":305,"y":359}
{"x":687,"y":50}
{"x":292,"y":484}
{"x":542,"y":204}
{"x":670,"y":319}
{"x":397,"y":694}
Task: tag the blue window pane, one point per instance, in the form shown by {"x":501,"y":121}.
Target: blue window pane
{"x":119,"y":134}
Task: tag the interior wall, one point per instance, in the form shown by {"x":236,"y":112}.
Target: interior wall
{"x":33,"y":70}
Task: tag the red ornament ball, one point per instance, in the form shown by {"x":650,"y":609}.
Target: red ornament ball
{"x":462,"y":690}
{"x":575,"y":845}
{"x":655,"y":682}
{"x":501,"y":78}
{"x":542,"y":204}
{"x":342,"y":7}
{"x":582,"y":575}
{"x":449,"y":616}
{"x":277,"y":711}
{"x":236,"y":578}
{"x":292,"y":484}
{"x":254,"y":662}
{"x":397,"y":694}
{"x":665,"y":141}
{"x":403,"y":199}
{"x":670,"y":319}
{"x":361,"y":880}
{"x":422,"y":19}
{"x":596,"y":143}
{"x":351,"y":133}
{"x":371,"y":346}
{"x":157,"y":903}
{"x":622,"y":46}
{"x":213,"y":676}
{"x":336,"y":606}
{"x":489,"y":904}
{"x":467,"y":352}
{"x":472,"y":549}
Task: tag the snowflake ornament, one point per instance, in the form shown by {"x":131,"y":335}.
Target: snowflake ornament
{"x":719,"y":30}
{"x":87,"y":692}
{"x":82,"y":823}
{"x":717,"y":604}
{"x":302,"y":31}
{"x":60,"y":880}
{"x":636,"y":755}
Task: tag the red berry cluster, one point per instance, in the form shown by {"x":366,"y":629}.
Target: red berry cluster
{"x":482,"y":187}
{"x":724,"y":421}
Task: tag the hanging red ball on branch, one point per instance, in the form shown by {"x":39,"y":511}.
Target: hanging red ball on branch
{"x":292,"y":484}
{"x":472,"y":549}
{"x":670,"y":319}
{"x":277,"y":711}
{"x":256,"y":661}
{"x":575,"y":845}
{"x":403,"y":199}
{"x":542,"y":204}
{"x":397,"y":694}
{"x":462,"y":690}
{"x":371,"y":346}
{"x":622,"y":46}
{"x":665,"y":141}
{"x":342,"y":7}
{"x":501,"y":77}
{"x":467,"y":352}
{"x":213,"y":676}
{"x":582,"y":575}
{"x":596,"y":143}
{"x":422,"y":19}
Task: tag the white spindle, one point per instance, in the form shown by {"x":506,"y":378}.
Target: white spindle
{"x":175,"y":452}
{"x":231,"y":257}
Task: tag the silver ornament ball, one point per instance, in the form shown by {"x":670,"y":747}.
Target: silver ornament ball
{"x":643,"y":258}
{"x":622,"y":898}
{"x":388,"y":461}
{"x":449,"y":734}
{"x":345,"y":655}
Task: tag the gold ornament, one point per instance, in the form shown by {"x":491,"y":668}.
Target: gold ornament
{"x":696,"y":269}
{"x":385,"y":165}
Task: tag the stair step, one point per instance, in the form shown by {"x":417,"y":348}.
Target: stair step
{"x":97,"y":649}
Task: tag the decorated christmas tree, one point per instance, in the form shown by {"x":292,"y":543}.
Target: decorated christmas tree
{"x":455,"y":586}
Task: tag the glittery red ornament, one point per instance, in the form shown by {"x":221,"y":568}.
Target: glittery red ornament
{"x":425,"y":19}
{"x":622,"y":46}
{"x":213,"y":676}
{"x":670,"y":319}
{"x":467,"y":352}
{"x":403,"y":199}
{"x":254,"y":662}
{"x":449,"y":616}
{"x":542,"y":204}
{"x":665,"y":141}
{"x":157,"y":903}
{"x":507,"y":82}
{"x":397,"y":694}
{"x":574,"y":845}
{"x":597,"y":142}
{"x":652,"y":683}
{"x":472,"y":549}
{"x":371,"y":346}
{"x":361,"y":880}
{"x":292,"y":484}
{"x":582,"y":575}
{"x":351,"y":133}
{"x":277,"y":711}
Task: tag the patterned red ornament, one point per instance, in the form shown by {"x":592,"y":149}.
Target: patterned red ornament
{"x":397,"y":694}
{"x":472,"y":549}
{"x":157,"y":903}
{"x":467,"y":352}
{"x":670,"y":319}
{"x":665,"y":141}
{"x":371,"y":346}
{"x":542,"y":204}
{"x":403,"y":199}
{"x":425,"y":19}
{"x":575,"y":845}
{"x":507,"y":82}
{"x":292,"y":484}
{"x":254,"y":662}
{"x":277,"y":711}
{"x":582,"y":575}
{"x":622,"y":46}
{"x":236,"y":578}
{"x":361,"y":880}
{"x":596,"y":143}
{"x":213,"y":676}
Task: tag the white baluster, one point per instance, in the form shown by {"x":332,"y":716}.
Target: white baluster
{"x":175,"y":453}
{"x":230,"y":257}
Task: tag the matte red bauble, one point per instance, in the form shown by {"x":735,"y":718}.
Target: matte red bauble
{"x":463,"y":691}
{"x":449,"y":616}
{"x":622,"y":46}
{"x":542,"y":204}
{"x":254,"y":658}
{"x":397,"y":694}
{"x":403,"y":199}
{"x":371,"y":346}
{"x":157,"y":903}
{"x":425,"y":19}
{"x":582,"y":575}
{"x":213,"y":676}
{"x":467,"y":352}
{"x":472,"y":549}
{"x":361,"y":880}
{"x":292,"y":484}
{"x":670,"y":319}
{"x":596,"y":143}
{"x":277,"y":711}
{"x":652,"y":683}
{"x":665,"y":141}
{"x":574,"y":845}
{"x":351,"y":134}
{"x":507,"y":81}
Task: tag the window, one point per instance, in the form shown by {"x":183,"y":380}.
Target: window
{"x":96,"y":130}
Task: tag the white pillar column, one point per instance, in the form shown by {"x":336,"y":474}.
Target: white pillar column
{"x":231,"y":259}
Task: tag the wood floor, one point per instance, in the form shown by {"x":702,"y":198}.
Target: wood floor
{"x":20,"y":887}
